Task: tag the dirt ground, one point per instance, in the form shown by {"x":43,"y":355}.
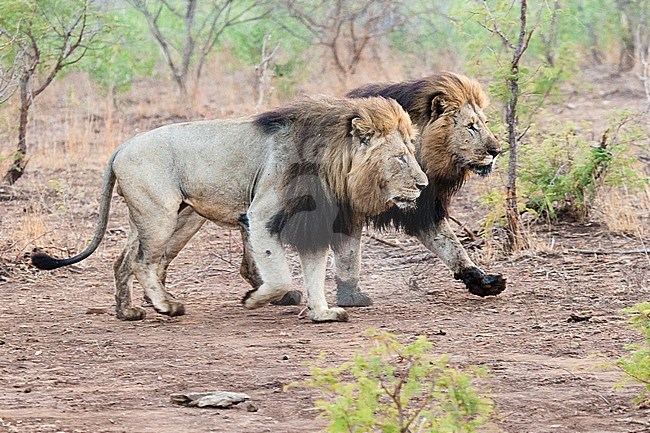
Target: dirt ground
{"x":65,"y":370}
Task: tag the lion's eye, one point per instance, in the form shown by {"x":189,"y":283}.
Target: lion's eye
{"x":402,"y":158}
{"x":472,"y":128}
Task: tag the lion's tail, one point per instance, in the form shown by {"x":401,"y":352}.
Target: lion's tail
{"x":47,"y":262}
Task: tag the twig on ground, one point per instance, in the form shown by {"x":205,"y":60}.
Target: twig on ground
{"x":639,"y":251}
{"x":462,"y":225}
{"x":384,"y":241}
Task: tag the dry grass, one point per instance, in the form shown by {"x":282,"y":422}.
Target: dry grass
{"x":625,"y":212}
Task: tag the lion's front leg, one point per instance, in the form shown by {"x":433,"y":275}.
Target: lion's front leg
{"x":347,"y":259}
{"x":314,"y":265}
{"x":248,"y":270}
{"x":268,"y":255}
{"x":442,"y":241}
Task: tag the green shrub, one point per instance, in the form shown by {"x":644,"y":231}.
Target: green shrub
{"x":637,"y":364}
{"x":562,"y":171}
{"x":126,"y":53}
{"x":398,"y":388}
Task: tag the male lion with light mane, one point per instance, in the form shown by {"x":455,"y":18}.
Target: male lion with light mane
{"x":453,"y":141}
{"x":305,"y":175}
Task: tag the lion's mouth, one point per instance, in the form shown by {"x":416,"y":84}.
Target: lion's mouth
{"x":481,"y":170}
{"x":403,"y":202}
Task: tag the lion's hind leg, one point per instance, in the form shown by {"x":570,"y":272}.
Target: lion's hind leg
{"x":189,"y":222}
{"x":155,"y":230}
{"x":123,"y":269}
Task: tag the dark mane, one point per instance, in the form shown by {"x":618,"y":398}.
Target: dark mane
{"x":311,"y":217}
{"x":408,"y":94}
{"x":417,"y":97}
{"x":273,"y":121}
{"x":432,"y":207}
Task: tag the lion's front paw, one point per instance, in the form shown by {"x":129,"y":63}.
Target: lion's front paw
{"x":257,"y":298}
{"x":172,"y":309}
{"x":481,"y":284}
{"x":348,"y":294}
{"x":353,"y":299}
{"x":334,"y":314}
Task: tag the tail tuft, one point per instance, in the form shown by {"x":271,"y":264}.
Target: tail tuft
{"x":45,"y":262}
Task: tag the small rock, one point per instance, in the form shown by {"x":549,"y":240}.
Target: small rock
{"x":582,"y":316}
{"x":219,"y":399}
{"x":250,"y":407}
{"x":285,"y":358}
{"x":97,"y":310}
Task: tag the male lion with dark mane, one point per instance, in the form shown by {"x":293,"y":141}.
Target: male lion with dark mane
{"x":304,"y":175}
{"x":453,"y":141}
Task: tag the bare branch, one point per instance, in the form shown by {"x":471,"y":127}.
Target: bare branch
{"x":495,"y":27}
{"x":202,"y":29}
{"x":346,"y":27}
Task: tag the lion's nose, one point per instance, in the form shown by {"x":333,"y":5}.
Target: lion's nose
{"x":493,"y":151}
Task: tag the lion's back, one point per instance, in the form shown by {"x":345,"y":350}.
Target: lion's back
{"x":205,"y":161}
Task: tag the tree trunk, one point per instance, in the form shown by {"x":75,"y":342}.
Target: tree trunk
{"x":516,"y":239}
{"x":20,"y":157}
{"x":626,"y":58}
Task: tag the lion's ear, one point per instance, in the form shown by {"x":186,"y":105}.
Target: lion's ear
{"x":362,"y":129}
{"x":439,"y":105}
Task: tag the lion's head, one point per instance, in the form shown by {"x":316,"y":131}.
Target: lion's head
{"x":455,"y":137}
{"x":383,"y":169}
{"x":349,"y":159}
{"x":447,"y":110}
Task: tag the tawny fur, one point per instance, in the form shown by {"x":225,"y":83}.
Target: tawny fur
{"x":453,"y":141}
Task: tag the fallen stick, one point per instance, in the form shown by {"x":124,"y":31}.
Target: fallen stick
{"x":384,"y":241}
{"x":639,"y":251}
{"x":469,"y":233}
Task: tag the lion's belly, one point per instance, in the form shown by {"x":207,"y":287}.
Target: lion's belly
{"x":221,"y":210}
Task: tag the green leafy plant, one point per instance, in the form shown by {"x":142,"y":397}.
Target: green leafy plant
{"x":125,"y":55}
{"x":561,"y":171}
{"x":637,"y":364}
{"x":397,"y":388}
{"x":288,"y":66}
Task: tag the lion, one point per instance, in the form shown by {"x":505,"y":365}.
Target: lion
{"x":302,"y":175}
{"x":453,"y":141}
